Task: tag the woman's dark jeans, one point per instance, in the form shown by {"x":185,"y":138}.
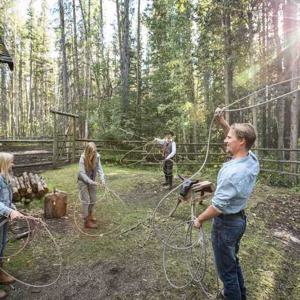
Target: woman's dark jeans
{"x":3,"y":237}
{"x":227,"y":232}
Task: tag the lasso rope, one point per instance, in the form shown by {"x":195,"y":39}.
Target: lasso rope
{"x":260,"y":103}
{"x":58,"y":251}
{"x":147,"y":153}
{"x":24,"y":244}
{"x":165,"y":241}
{"x":174,"y":189}
{"x":107,"y":192}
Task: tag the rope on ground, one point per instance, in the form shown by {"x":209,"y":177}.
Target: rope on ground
{"x":107,"y":191}
{"x":162,"y":239}
{"x":58,"y":251}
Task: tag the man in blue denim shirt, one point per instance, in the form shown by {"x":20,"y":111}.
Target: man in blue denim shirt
{"x":235,"y":182}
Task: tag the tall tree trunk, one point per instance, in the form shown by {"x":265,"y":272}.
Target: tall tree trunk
{"x":295,"y":104}
{"x":4,"y":112}
{"x":88,"y":58}
{"x":30,"y":109}
{"x":76,"y":60}
{"x":264,"y":76}
{"x":20,"y":93}
{"x":252,"y":62}
{"x":228,"y":63}
{"x":280,"y":105}
{"x":66,"y":101}
{"x":138,"y":67}
{"x":123,"y":31}
{"x":101,"y":24}
{"x":267,"y":72}
{"x":288,"y":37}
{"x":12,"y":112}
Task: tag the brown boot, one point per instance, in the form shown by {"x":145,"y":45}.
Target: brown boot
{"x":5,"y":278}
{"x":90,"y":224}
{"x":3,"y":294}
{"x":92,"y":218}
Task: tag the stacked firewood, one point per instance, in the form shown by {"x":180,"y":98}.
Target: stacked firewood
{"x":28,"y":186}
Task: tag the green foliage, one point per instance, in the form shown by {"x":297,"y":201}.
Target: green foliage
{"x":183,"y":57}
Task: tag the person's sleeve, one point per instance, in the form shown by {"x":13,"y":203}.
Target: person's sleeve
{"x":159,"y":141}
{"x":4,"y":210}
{"x":82,"y":174}
{"x":172,"y":154}
{"x":224,"y":192}
{"x":100,"y":170}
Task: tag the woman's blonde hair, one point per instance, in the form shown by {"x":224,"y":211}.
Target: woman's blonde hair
{"x":90,"y":156}
{"x":5,"y":160}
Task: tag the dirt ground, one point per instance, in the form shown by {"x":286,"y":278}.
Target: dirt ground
{"x":129,"y":266}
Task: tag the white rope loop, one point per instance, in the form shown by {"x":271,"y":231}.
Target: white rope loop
{"x":58,"y":251}
{"x":165,"y":241}
{"x":107,"y":192}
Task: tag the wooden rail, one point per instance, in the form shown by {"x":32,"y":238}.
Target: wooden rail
{"x":55,"y":152}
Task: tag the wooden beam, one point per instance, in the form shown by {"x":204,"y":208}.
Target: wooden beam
{"x":63,"y":113}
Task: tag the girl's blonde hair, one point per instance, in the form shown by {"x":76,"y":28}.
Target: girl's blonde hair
{"x":5,"y":160}
{"x":90,"y":156}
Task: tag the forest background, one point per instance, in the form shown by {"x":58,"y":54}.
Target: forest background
{"x":144,"y":66}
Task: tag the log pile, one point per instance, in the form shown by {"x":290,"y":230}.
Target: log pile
{"x":28,"y":186}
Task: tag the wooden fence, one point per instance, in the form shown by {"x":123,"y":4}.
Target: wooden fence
{"x":41,"y":154}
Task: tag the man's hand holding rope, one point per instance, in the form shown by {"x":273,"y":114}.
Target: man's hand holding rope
{"x":197,"y":223}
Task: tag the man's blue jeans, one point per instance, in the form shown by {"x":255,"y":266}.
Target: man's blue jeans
{"x":227,"y":232}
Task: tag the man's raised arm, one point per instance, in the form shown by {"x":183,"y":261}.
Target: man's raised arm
{"x":219,"y":117}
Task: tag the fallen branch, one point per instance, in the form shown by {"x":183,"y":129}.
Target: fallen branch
{"x":131,"y":228}
{"x":22,"y":235}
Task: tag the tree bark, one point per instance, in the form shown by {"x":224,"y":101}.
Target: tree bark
{"x":66,"y":101}
{"x":288,"y":38}
{"x":30,"y":108}
{"x":280,"y":105}
{"x":76,"y":59}
{"x":138,"y":65}
{"x":4,"y":112}
{"x":123,"y":33}
{"x":20,"y":93}
{"x":295,"y":104}
{"x":252,"y":62}
{"x":228,"y":65}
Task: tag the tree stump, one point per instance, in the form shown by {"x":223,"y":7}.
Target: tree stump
{"x":55,"y":204}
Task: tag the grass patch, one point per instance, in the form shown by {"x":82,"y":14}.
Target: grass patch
{"x":271,"y":269}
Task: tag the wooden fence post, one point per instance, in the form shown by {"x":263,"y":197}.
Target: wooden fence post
{"x":55,"y":142}
{"x":74,"y":141}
